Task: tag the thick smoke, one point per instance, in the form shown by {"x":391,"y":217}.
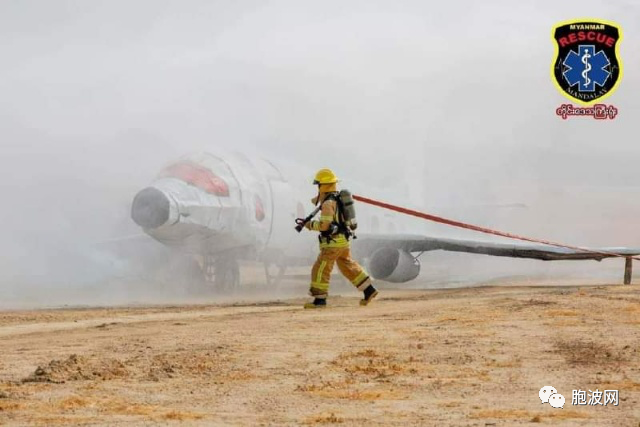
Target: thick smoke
{"x":448,"y":107}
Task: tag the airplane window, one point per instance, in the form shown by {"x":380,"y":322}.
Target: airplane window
{"x":198,"y":176}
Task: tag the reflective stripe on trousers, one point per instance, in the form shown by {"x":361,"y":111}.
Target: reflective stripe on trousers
{"x":321,"y":271}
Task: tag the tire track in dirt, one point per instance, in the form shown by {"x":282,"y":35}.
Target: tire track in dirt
{"x":37,"y":328}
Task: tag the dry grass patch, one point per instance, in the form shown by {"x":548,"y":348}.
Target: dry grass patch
{"x":349,"y":390}
{"x":531,"y":303}
{"x":9,"y":405}
{"x":456,"y":356}
{"x":145,"y":367}
{"x":24,"y":389}
{"x":182,"y":416}
{"x":450,"y":404}
{"x":324,"y":419}
{"x":631,"y":308}
{"x":511,"y":363}
{"x":444,"y":319}
{"x":634,"y":311}
{"x":122,"y":407}
{"x":565,"y":414}
{"x":580,"y":352}
{"x":565,"y":322}
{"x":178,"y":365}
{"x":326,"y":385}
{"x":238,"y":375}
{"x":73,"y":402}
{"x":445,"y":375}
{"x":502,"y":414}
{"x":76,"y":368}
{"x":373,"y":394}
{"x":64,"y":420}
{"x":483,"y":317}
{"x":520,"y":414}
{"x":374,"y":364}
{"x":561,"y":313}
{"x":625,"y":385}
{"x":466,"y":373}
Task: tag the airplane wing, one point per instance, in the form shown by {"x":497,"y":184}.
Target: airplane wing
{"x":368,"y":244}
{"x":390,"y":257}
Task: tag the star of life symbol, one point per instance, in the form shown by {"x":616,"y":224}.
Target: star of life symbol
{"x":586,"y":68}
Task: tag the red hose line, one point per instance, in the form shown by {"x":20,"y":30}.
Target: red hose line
{"x":459,"y":224}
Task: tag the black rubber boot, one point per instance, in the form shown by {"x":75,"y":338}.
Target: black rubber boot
{"x":369,"y":293}
{"x":317,"y":303}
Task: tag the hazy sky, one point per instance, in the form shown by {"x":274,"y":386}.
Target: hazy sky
{"x":455,"y":96}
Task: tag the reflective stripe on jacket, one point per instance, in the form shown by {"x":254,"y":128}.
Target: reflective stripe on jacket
{"x":329,"y":215}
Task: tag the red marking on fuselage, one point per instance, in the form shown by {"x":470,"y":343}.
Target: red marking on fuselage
{"x":199,"y":176}
{"x":259,"y":209}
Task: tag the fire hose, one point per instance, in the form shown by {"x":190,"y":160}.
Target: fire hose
{"x":466,"y":226}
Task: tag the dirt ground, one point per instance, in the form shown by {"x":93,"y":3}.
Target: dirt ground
{"x":461,"y":357}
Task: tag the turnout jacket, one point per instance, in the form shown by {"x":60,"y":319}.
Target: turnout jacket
{"x":329,"y":214}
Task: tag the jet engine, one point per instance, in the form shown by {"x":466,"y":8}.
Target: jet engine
{"x":393,"y":265}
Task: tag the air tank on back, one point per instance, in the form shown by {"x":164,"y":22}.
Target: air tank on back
{"x":349,"y":209}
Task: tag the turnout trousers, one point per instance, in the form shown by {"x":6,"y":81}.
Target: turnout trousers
{"x":321,"y":271}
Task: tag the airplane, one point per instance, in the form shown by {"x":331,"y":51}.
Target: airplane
{"x":221,"y":209}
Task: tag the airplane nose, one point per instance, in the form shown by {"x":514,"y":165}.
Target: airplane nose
{"x":150,"y":208}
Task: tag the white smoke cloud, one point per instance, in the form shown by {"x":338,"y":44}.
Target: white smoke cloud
{"x":98,"y":96}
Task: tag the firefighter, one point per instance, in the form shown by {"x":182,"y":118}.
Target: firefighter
{"x":334,"y":245}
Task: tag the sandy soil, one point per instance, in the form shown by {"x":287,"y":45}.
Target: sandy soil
{"x":475,"y":357}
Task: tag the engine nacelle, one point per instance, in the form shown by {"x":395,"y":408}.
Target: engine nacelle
{"x":393,"y":265}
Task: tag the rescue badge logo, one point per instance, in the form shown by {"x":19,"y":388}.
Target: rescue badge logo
{"x":586,"y":67}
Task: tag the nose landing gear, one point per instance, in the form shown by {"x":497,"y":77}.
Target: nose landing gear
{"x":223,"y":271}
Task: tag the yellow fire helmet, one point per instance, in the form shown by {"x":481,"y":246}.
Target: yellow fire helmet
{"x":325,"y":176}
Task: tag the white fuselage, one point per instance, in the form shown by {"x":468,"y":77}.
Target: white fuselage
{"x":218,"y":204}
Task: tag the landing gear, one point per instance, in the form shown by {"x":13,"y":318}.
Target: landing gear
{"x":176,"y":271}
{"x":223,"y":271}
{"x":273,"y":280}
{"x":226,"y":273}
{"x":278,"y":260}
